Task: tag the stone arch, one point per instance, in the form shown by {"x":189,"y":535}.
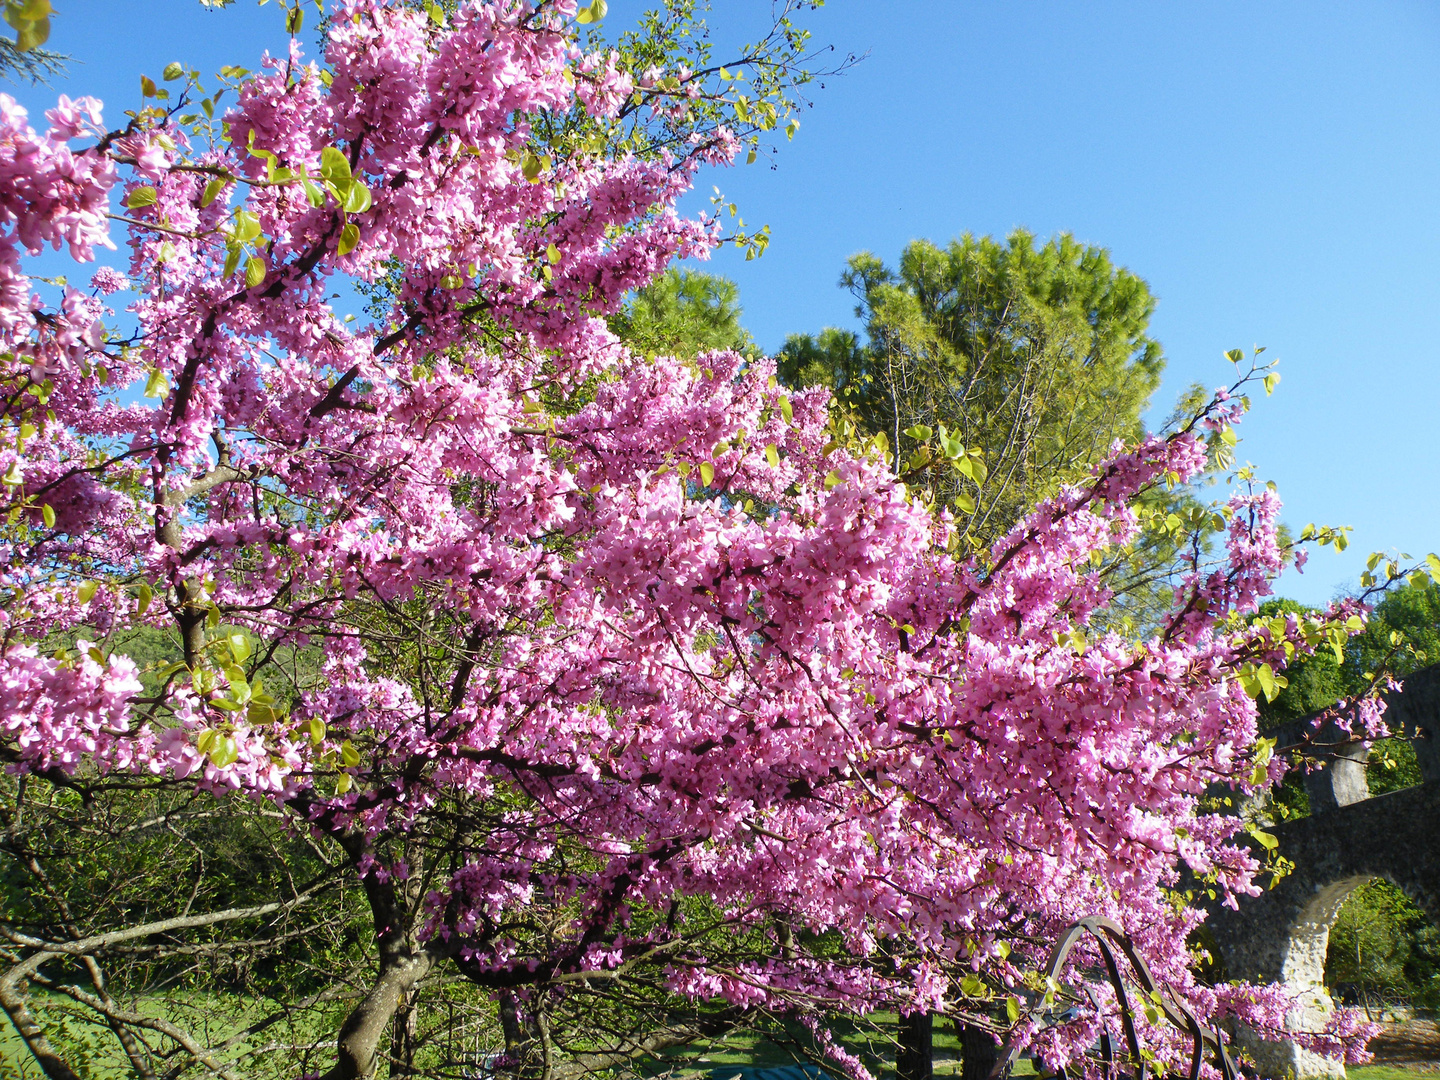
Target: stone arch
{"x":1308,"y":946}
{"x":1349,"y":839}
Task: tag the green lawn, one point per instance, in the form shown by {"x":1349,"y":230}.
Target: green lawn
{"x":870,"y":1045}
{"x":744,"y":1049}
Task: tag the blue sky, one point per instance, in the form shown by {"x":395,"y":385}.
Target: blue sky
{"x":1271,"y":170}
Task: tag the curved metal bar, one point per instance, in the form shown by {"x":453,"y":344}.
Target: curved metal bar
{"x":1110,"y":936}
{"x":1127,"y":1015}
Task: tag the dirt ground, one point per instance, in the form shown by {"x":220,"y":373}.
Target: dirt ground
{"x":1412,"y":1043}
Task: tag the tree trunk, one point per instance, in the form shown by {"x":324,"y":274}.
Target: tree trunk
{"x":404,"y":1032}
{"x":362,"y":1031}
{"x":510,"y":1025}
{"x":915,"y":1058}
{"x":979,"y":1050}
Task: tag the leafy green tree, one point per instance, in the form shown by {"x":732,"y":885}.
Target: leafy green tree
{"x":684,"y":313}
{"x":1036,"y":356}
{"x":1027,"y":360}
{"x":1383,"y":946}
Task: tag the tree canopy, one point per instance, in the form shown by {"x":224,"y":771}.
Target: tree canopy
{"x":684,"y":312}
{"x":1036,"y":355}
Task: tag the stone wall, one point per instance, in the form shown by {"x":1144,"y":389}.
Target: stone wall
{"x":1350,"y":838}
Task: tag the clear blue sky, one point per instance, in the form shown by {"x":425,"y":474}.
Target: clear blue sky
{"x":1271,"y":169}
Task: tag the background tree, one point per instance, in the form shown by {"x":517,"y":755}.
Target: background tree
{"x":1037,"y":356}
{"x":1033,"y":359}
{"x":684,"y":313}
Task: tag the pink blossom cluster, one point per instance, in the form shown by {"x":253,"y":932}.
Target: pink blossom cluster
{"x":687,"y":632}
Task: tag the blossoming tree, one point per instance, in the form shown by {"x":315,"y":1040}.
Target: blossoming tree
{"x":593,"y":671}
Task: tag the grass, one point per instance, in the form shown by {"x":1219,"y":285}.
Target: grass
{"x":94,"y":1052}
{"x":872,"y":1043}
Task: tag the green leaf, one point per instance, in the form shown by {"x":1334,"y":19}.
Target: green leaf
{"x":920,"y":433}
{"x":787,"y":410}
{"x":552,"y":253}
{"x":707,"y":474}
{"x":356,"y":199}
{"x":530,"y":166}
{"x":86,"y":592}
{"x":334,"y":165}
{"x":247,"y":227}
{"x":147,"y":86}
{"x":232,"y":260}
{"x":1012,"y":1008}
{"x":141,"y":196}
{"x":47,"y":512}
{"x":28,"y":10}
{"x":772,"y":455}
{"x":224,"y":752}
{"x":235,"y":675}
{"x":1265,"y":676}
{"x":205,"y":740}
{"x":313,"y":192}
{"x":32,"y":35}
{"x":588,"y":16}
{"x":239,"y":647}
{"x":1432,"y":563}
{"x":964,"y":502}
{"x":143,"y":595}
{"x":1269,"y":841}
{"x":295,"y":20}
{"x":972,"y":986}
{"x":1271,"y":381}
{"x":1228,"y":437}
{"x":317,"y":731}
{"x":212,"y":190}
{"x":157,"y":386}
{"x":13,"y":475}
{"x":254,"y":271}
{"x":348,"y":754}
{"x":977,"y":467}
{"x":173,"y":71}
{"x":349,"y":238}
{"x":831,"y":479}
